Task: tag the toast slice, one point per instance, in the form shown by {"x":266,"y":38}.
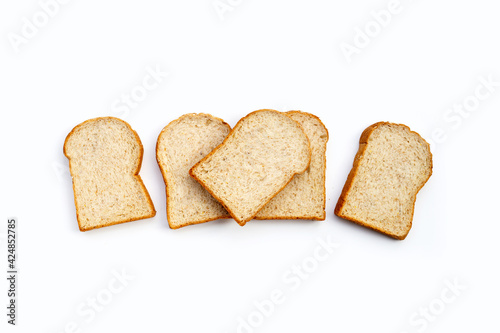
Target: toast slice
{"x":181,"y":144}
{"x":105,"y":156}
{"x":256,"y":161}
{"x":304,"y":197}
{"x":391,"y":166}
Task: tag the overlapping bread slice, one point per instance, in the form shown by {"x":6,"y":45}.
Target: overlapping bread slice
{"x":304,"y":197}
{"x":105,"y":157}
{"x":181,"y":144}
{"x":390,"y":167}
{"x":256,"y":161}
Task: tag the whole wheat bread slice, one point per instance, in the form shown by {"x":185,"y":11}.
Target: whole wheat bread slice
{"x":391,"y":166}
{"x":181,"y":144}
{"x":105,"y":157}
{"x":304,"y":197}
{"x":256,"y":161}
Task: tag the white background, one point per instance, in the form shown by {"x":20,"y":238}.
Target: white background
{"x":283,"y":55}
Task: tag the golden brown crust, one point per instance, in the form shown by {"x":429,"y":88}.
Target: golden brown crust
{"x":244,"y":221}
{"x":136,"y":175}
{"x":164,"y":173}
{"x":363,"y":140}
{"x":304,"y":217}
{"x":312,"y":218}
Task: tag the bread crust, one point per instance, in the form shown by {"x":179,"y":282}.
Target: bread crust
{"x":242,"y":222}
{"x":136,"y":176}
{"x":363,"y":140}
{"x":304,"y":217}
{"x":164,"y":173}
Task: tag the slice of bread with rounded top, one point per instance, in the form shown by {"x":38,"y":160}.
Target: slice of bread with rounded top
{"x":181,"y":144}
{"x":304,"y":197}
{"x":256,"y":161}
{"x":105,"y":157}
{"x":391,"y":166}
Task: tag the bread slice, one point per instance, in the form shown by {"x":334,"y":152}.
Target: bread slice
{"x":391,"y":166}
{"x":304,"y":197}
{"x":181,"y":144}
{"x":105,"y":157}
{"x":256,"y":161}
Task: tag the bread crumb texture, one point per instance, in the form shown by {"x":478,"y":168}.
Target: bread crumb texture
{"x":304,"y":197}
{"x":182,"y":144}
{"x":105,"y":157}
{"x":257,"y":160}
{"x":391,"y":166}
